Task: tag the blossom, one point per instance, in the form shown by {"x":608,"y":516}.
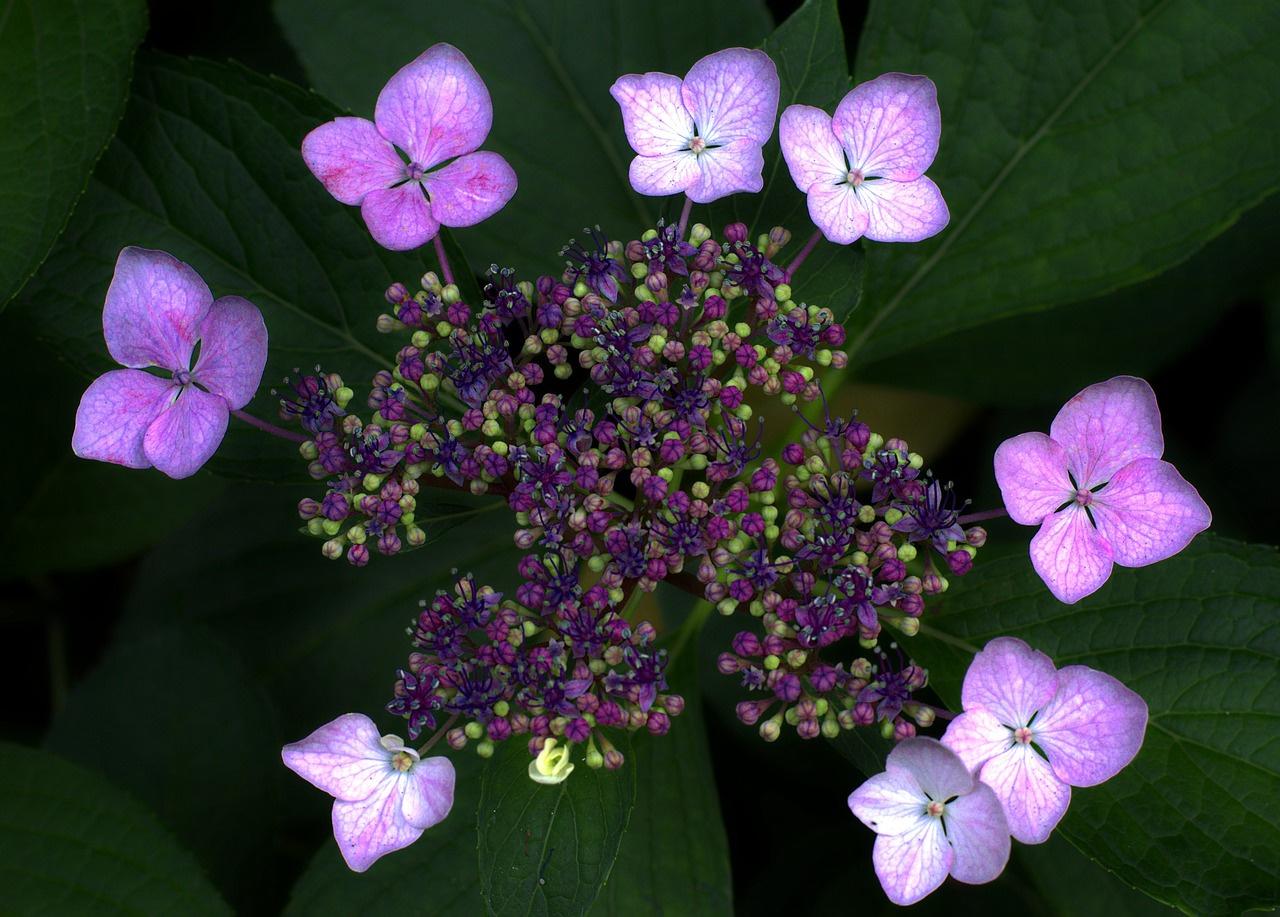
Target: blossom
{"x":701,"y":135}
{"x":434,"y":109}
{"x":552,"y":765}
{"x":157,"y":311}
{"x":934,"y":819}
{"x":385,"y":795}
{"x":1098,"y":489}
{"x":1085,"y":726}
{"x":863,"y":169}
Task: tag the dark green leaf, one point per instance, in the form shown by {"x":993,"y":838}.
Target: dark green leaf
{"x":72,"y":843}
{"x":547,"y":850}
{"x":65,"y":68}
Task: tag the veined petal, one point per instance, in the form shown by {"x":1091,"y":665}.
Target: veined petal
{"x":436,"y":107}
{"x":838,"y":211}
{"x":428,"y":794}
{"x":1011,"y":680}
{"x":345,"y":758}
{"x":939,"y":771}
{"x":1033,"y":798}
{"x":233,"y":350}
{"x":470,"y":189}
{"x":977,"y":736}
{"x":728,"y":169}
{"x":890,"y":126}
{"x":979,"y":834}
{"x":114,"y":414}
{"x":351,"y":159}
{"x":889,"y":803}
{"x":1107,"y":426}
{"x":732,"y":94}
{"x":812,"y":152}
{"x":670,"y":173}
{"x":904,"y":211}
{"x":368,"y":828}
{"x":186,"y":434}
{"x":1031,"y":470}
{"x":1092,"y":728}
{"x":911,"y":865}
{"x":399,"y":219}
{"x":154,"y":309}
{"x":1148,"y":512}
{"x":653,"y":114}
{"x":1070,"y":555}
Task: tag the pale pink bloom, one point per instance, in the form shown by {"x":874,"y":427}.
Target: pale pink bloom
{"x":933,"y":820}
{"x":1085,"y":724}
{"x":863,"y":169}
{"x":157,"y":311}
{"x":1098,"y":490}
{"x":385,"y":796}
{"x":434,"y":109}
{"x":701,"y":135}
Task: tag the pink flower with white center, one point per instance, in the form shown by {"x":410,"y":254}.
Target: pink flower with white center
{"x":701,"y":135}
{"x":385,"y":795}
{"x":1098,"y":490}
{"x":434,"y":109}
{"x":863,"y":169}
{"x":933,"y":820}
{"x":157,"y":311}
{"x":1031,"y":732}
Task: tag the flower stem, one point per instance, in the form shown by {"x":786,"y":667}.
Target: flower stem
{"x":422,"y":752}
{"x":270,"y":428}
{"x":804,"y":253}
{"x":982,"y":516}
{"x":444,"y":261}
{"x":684,"y":214}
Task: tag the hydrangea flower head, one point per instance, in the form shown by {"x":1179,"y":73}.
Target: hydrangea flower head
{"x":1031,"y":732}
{"x":701,"y":135}
{"x":433,"y":110}
{"x":863,"y":169}
{"x":933,"y":820}
{"x":1098,"y":490}
{"x":385,"y":796}
{"x":157,"y":310}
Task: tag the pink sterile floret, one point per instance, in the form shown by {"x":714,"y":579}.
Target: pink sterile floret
{"x":863,"y":169}
{"x":933,"y":819}
{"x":385,"y":796}
{"x":1087,"y":725}
{"x":156,"y":312}
{"x":1097,"y":484}
{"x":434,"y":109}
{"x":701,"y":135}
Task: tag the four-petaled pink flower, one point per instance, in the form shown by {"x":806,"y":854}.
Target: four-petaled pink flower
{"x":933,"y":819}
{"x":701,"y":135}
{"x":385,"y":796}
{"x":1087,"y":725}
{"x":157,"y":311}
{"x":863,"y":169}
{"x":1097,"y":484}
{"x":434,"y":109}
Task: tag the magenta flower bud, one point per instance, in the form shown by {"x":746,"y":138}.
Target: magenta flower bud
{"x":308,"y":508}
{"x":358,"y":555}
{"x":959,"y":562}
{"x":672,"y":703}
{"x":658,"y":723}
{"x":903,"y":730}
{"x":864,"y":714}
{"x":577,"y":730}
{"x":728,"y":664}
{"x":808,"y":729}
{"x":613,"y":759}
{"x":788,"y":687}
{"x":746,"y":644}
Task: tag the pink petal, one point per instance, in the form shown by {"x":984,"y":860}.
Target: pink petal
{"x":890,"y":126}
{"x":1092,"y":728}
{"x":428,"y":796}
{"x":154,"y":309}
{"x":838,"y":211}
{"x":940,"y":773}
{"x":1031,"y":470}
{"x":345,"y":758}
{"x":670,"y":173}
{"x":1033,"y":798}
{"x":1148,"y":512}
{"x":351,"y":159}
{"x":810,"y":148}
{"x":470,"y":189}
{"x":1009,"y":679}
{"x":1107,"y":426}
{"x":979,"y":834}
{"x":1070,"y":555}
{"x":889,"y":803}
{"x":911,"y":865}
{"x":733,"y":95}
{"x":728,"y":169}
{"x":435,"y":108}
{"x":904,"y":211}
{"x":653,"y":114}
{"x":368,"y":828}
{"x":114,"y":414}
{"x":187,"y":433}
{"x":399,"y":219}
{"x":977,"y":736}
{"x":233,"y":350}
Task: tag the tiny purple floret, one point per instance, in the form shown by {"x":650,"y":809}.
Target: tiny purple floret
{"x":863,"y":169}
{"x":701,"y":135}
{"x":156,"y":312}
{"x":435,"y":109}
{"x":1098,"y":490}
